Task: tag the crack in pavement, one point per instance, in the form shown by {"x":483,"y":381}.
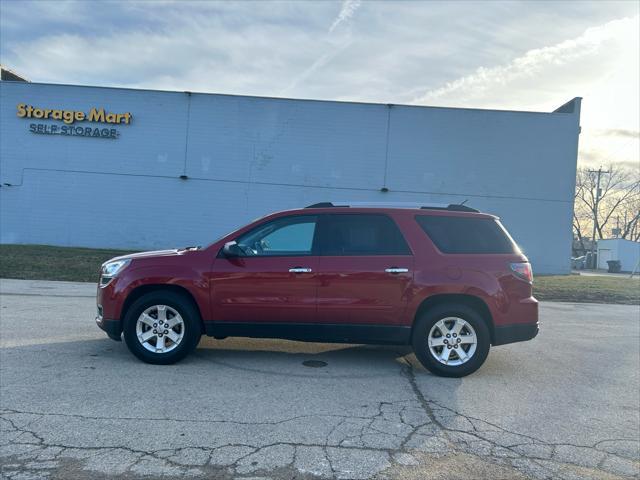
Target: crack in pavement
{"x":354,"y":446}
{"x":626,"y":466}
{"x":266,"y":416}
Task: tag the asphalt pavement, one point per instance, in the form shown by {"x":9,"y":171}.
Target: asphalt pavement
{"x":74,"y":404}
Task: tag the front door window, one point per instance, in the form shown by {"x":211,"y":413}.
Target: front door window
{"x":291,"y":236}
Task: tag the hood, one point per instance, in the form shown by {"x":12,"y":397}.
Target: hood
{"x":155,"y":254}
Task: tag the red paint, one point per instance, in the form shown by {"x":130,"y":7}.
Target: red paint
{"x":358,"y":290}
{"x":261,"y":289}
{"x":350,"y":289}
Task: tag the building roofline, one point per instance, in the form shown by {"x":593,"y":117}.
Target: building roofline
{"x":19,"y":76}
{"x":561,"y":110}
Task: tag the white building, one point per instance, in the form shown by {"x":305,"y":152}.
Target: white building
{"x":626,"y":251}
{"x":140,"y":169}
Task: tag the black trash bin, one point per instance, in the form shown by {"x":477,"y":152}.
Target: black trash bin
{"x":614,"y":266}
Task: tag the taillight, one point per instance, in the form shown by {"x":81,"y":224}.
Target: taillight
{"x":522,"y":270}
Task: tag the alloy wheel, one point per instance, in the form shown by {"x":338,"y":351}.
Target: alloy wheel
{"x":160,"y":328}
{"x":452,"y":341}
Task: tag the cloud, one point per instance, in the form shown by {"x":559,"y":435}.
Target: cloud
{"x":323,"y":60}
{"x":487,"y":80}
{"x":225,"y":53}
{"x":618,"y":132}
{"x":600,"y":64}
{"x":520,"y":56}
{"x":349,"y":7}
{"x":346,"y":12}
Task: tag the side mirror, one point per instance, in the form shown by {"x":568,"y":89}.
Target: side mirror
{"x":232,"y":249}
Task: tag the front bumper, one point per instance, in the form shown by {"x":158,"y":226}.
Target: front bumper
{"x":111,"y":326}
{"x":520,"y":332}
{"x":108,"y":310}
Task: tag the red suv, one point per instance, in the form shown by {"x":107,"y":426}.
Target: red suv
{"x":448,"y":280}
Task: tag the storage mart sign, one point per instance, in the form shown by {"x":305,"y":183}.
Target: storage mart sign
{"x":97,"y":115}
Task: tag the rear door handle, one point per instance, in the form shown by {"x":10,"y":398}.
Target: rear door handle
{"x":396,"y":270}
{"x":300,"y":270}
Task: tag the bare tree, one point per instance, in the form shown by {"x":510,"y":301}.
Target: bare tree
{"x":630,"y":216}
{"x":581,"y":215}
{"x":619,"y":200}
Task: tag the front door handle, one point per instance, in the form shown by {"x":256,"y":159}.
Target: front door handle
{"x":300,"y":270}
{"x":396,"y":270}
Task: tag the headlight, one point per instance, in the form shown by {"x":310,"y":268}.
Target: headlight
{"x":111,"y":269}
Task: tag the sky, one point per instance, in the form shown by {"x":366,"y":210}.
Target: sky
{"x":514,"y":55}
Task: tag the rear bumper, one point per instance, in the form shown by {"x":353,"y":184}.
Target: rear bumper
{"x":112,"y":327}
{"x":514,"y":333}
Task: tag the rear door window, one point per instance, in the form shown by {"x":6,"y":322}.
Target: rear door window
{"x":361,"y":234}
{"x":467,"y":234}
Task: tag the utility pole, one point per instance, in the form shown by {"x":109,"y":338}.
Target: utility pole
{"x":595,"y":217}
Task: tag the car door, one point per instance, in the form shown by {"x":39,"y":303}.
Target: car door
{"x":365,"y":270}
{"x":274,"y":280}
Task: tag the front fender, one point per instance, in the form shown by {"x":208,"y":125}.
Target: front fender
{"x":183,"y":277}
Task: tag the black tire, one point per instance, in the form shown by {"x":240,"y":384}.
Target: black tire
{"x":429,"y":318}
{"x":190,"y":317}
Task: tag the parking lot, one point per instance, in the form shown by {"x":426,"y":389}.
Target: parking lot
{"x":75,"y":404}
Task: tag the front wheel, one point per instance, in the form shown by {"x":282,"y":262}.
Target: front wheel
{"x":162,"y":327}
{"x":451,"y":340}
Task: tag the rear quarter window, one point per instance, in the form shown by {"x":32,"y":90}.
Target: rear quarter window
{"x":467,"y":234}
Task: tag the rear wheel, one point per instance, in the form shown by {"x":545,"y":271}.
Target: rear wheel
{"x":451,"y":340}
{"x":162,"y":327}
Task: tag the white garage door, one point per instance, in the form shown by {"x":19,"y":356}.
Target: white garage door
{"x":603,"y":256}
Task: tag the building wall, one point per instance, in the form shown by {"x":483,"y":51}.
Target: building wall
{"x":247,"y":156}
{"x":627,"y":251}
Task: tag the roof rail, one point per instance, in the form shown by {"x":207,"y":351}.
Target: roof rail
{"x":321,"y":205}
{"x":458,"y":207}
{"x":454,"y":207}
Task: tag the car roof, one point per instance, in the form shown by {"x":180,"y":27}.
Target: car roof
{"x":393,"y":207}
